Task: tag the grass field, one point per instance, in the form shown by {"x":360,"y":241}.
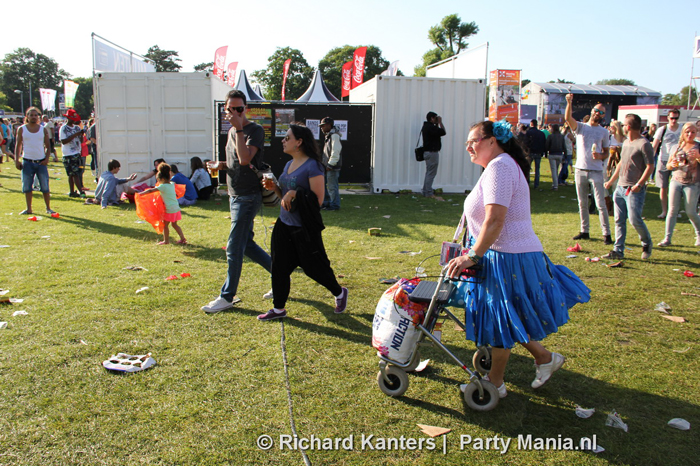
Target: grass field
{"x":220,"y":380}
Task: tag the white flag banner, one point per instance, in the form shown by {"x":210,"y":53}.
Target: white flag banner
{"x":696,"y":49}
{"x":48,"y":99}
{"x":392,"y":70}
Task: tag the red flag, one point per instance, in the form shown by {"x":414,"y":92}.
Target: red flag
{"x":231,"y":73}
{"x":346,"y":79}
{"x":358,"y":66}
{"x":287,"y":62}
{"x":219,"y":62}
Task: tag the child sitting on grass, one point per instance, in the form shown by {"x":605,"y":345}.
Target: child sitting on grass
{"x":106,"y":191}
{"x":172,"y":208}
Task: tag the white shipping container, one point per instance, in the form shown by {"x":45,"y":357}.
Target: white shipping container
{"x":400,"y":106}
{"x":146,"y":116}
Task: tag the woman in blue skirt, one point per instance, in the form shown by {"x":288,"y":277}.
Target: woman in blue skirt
{"x":522,"y":297}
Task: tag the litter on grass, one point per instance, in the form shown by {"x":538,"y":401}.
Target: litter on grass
{"x":16,"y":300}
{"x":423,"y":364}
{"x":372,"y":258}
{"x":20,"y":313}
{"x":663,"y":307}
{"x":681,"y":351}
{"x":172,"y":277}
{"x":688,"y":273}
{"x":592,"y":259}
{"x":433,"y":431}
{"x":615,"y":264}
{"x":572,"y":256}
{"x":3,"y":325}
{"x":584,"y":413}
{"x":614,"y":420}
{"x":123,"y":362}
{"x":411,"y":253}
{"x":140,"y":290}
{"x":3,"y":292}
{"x":677,"y":319}
{"x":135,"y":268}
{"x":185,"y":275}
{"x":386,"y":216}
{"x":679,"y":423}
{"x":388,"y":281}
{"x":4,"y":245}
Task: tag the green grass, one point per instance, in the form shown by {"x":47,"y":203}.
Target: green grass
{"x":219,"y":382}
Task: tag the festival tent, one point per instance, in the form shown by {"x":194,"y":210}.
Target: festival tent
{"x":244,"y":86}
{"x":258,"y":90}
{"x":317,"y":91}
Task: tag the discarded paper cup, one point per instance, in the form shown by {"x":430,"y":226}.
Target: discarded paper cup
{"x":374,"y":231}
{"x":55,"y":215}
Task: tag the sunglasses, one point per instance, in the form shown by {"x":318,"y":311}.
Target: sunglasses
{"x":599,"y":112}
{"x":672,"y":118}
{"x":235,"y":109}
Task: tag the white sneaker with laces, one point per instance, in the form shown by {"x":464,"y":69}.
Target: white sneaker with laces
{"x":269,"y":295}
{"x":220,"y":304}
{"x":545,"y":371}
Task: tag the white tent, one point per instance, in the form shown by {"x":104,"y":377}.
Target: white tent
{"x":244,"y":86}
{"x":258,"y":90}
{"x":317,"y":91}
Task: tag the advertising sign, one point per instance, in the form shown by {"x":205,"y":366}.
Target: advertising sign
{"x":504,"y":96}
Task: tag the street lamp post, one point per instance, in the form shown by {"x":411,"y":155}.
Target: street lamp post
{"x":21,"y":96}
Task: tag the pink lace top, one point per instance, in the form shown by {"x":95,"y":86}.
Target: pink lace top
{"x":503,"y":183}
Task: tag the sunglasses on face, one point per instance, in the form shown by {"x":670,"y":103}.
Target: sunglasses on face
{"x":235,"y":109}
{"x":672,"y":118}
{"x":599,"y":112}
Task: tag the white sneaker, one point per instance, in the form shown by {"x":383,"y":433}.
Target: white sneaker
{"x":545,"y":371}
{"x":269,"y":295}
{"x":220,"y":304}
{"x":697,"y":241}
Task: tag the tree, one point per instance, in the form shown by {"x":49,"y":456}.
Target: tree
{"x":165,"y":60}
{"x":616,"y":82}
{"x":204,"y":66}
{"x":449,"y":39}
{"x":84,"y":102}
{"x":3,"y":102}
{"x":331,"y":65}
{"x":24,"y":68}
{"x":561,"y":81}
{"x":681,"y":98}
{"x":298,"y":78}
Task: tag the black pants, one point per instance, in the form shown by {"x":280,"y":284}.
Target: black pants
{"x":291,"y":249}
{"x":205,"y":193}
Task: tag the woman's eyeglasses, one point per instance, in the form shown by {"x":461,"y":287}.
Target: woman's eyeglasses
{"x":473,"y":142}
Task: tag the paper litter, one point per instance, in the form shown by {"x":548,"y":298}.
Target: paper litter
{"x":123,"y":362}
{"x":584,"y":413}
{"x":679,"y":423}
{"x":20,"y":313}
{"x":614,"y":420}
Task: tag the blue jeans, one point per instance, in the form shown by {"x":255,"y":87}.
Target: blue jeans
{"x":241,"y":242}
{"x":565,"y":164}
{"x":29,"y":169}
{"x":537,"y":158}
{"x":332,"y":197}
{"x":631,"y":206}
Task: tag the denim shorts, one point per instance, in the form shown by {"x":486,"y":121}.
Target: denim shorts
{"x":31,"y":168}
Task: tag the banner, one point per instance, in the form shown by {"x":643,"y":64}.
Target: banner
{"x":392,"y":70}
{"x":504,"y":95}
{"x":107,"y":58}
{"x":346,"y":79}
{"x":70,"y":88}
{"x":48,"y":99}
{"x":696,"y":49}
{"x":358,"y":66}
{"x":219,"y":62}
{"x":287,"y":62}
{"x":231,"y":74}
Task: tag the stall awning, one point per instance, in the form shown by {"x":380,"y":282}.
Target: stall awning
{"x":563,"y":88}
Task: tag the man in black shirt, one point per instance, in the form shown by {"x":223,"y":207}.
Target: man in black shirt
{"x":432,"y":131}
{"x":535,"y":144}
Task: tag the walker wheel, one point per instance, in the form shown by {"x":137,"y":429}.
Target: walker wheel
{"x":475,"y":402}
{"x":398,"y":381}
{"x":482,"y":360}
{"x":415,"y":364}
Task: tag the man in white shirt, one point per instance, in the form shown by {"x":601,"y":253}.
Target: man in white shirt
{"x":70,"y":135}
{"x":592,"y":144}
{"x":666,"y":137}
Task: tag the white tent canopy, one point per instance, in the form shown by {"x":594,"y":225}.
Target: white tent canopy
{"x":317,"y":91}
{"x":244,"y":86}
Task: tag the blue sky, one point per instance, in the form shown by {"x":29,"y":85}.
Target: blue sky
{"x":648,"y":42}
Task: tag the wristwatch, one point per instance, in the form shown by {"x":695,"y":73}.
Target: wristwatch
{"x":471,"y":255}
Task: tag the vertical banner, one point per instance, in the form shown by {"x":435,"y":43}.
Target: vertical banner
{"x":231,"y":74}
{"x":70,"y":88}
{"x":358,"y":67}
{"x":346,"y":79}
{"x":504,"y":96}
{"x":287,"y":62}
{"x":696,"y":48}
{"x":220,"y":61}
{"x":48,"y":99}
{"x":392,"y":70}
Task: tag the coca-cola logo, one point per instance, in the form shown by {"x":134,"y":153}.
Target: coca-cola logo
{"x":359,"y":67}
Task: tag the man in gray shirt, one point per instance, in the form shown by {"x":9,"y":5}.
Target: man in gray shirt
{"x":635,"y":167}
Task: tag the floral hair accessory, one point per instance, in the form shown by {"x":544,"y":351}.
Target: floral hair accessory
{"x":502,"y":131}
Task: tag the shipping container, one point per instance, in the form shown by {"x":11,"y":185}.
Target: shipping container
{"x":400,"y":107}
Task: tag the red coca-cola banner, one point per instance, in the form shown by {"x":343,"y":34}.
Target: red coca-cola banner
{"x":346,"y":79}
{"x":287,"y":62}
{"x":231,"y":74}
{"x":358,"y":66}
{"x":220,"y":61}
